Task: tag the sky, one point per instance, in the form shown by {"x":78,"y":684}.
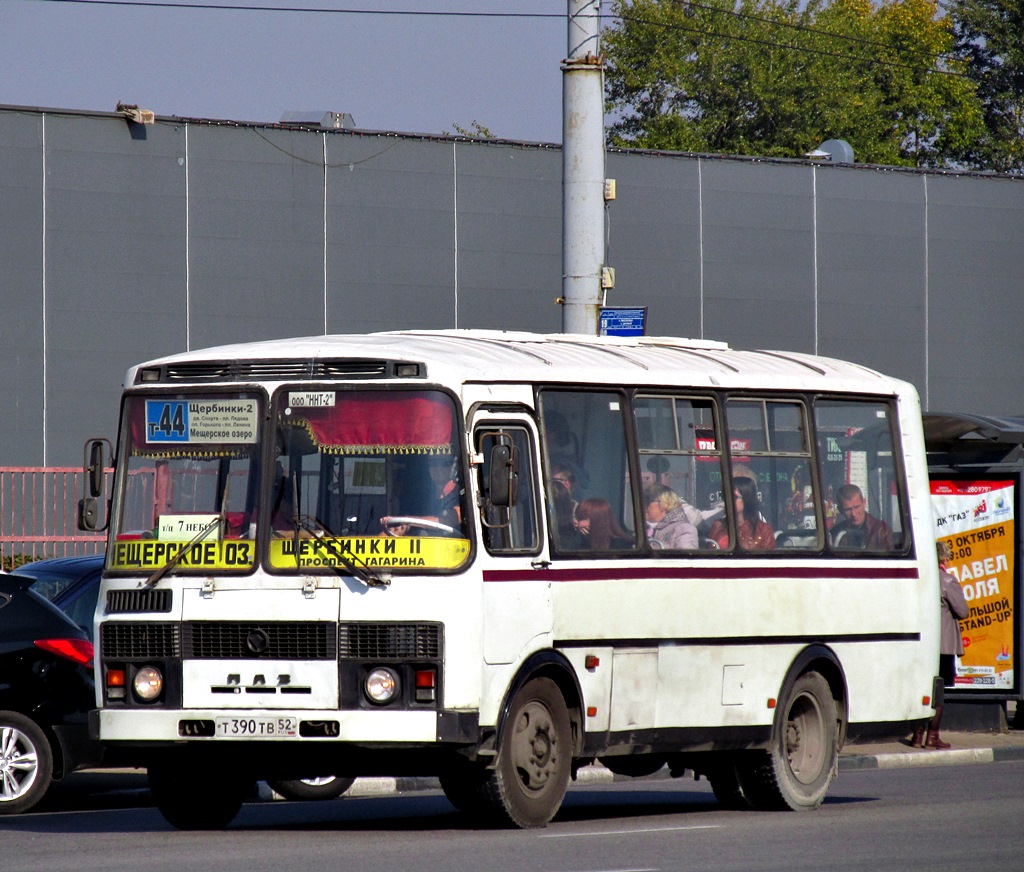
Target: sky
{"x":407,"y":73}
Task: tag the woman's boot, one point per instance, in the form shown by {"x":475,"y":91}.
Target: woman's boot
{"x":918,"y":740}
{"x":933,"y":741}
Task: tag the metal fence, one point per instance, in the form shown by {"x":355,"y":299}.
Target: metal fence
{"x":38,"y":514}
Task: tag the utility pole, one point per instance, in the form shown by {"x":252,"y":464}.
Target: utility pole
{"x":583,"y":154}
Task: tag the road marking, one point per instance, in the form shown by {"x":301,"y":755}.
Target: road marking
{"x":630,"y":832}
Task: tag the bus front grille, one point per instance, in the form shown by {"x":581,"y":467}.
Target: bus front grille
{"x":123,"y":640}
{"x":121,"y":601}
{"x":373,"y":640}
{"x":269,"y":640}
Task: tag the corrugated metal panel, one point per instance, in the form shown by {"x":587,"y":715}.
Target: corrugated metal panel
{"x":21,"y":288}
{"x":434,"y":232}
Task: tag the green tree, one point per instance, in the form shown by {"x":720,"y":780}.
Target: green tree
{"x":931,"y":107}
{"x":475,"y":130}
{"x":990,"y":39}
{"x":775,"y":78}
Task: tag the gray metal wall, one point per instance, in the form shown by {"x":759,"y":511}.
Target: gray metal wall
{"x":119,"y":243}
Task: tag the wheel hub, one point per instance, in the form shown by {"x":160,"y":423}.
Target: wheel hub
{"x":535,"y":745}
{"x":17,"y":769}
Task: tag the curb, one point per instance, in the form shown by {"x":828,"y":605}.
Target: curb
{"x":912,"y":759}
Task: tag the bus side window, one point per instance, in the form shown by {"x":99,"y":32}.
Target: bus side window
{"x":859,"y":471}
{"x":678,"y":453}
{"x":585,"y":457}
{"x":769,"y":445}
{"x":514,"y":529}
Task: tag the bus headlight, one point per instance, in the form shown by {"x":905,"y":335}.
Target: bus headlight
{"x":148,"y":683}
{"x":381,"y":685}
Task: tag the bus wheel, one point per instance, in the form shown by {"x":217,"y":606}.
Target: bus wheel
{"x":796,"y":771}
{"x":528,"y":784}
{"x":191,"y":803}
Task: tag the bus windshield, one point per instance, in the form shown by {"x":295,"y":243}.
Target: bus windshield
{"x":190,"y":478}
{"x":366,"y":477}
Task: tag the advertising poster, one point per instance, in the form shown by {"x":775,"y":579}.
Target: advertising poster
{"x":976,"y":519}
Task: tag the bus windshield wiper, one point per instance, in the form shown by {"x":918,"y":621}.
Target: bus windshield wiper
{"x":355,"y":565}
{"x":216,"y":523}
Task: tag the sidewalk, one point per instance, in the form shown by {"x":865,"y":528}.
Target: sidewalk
{"x":968,"y":748}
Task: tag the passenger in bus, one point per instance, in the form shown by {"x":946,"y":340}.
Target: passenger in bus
{"x":563,"y":518}
{"x":858,"y":529}
{"x":668,"y":524}
{"x":754,"y":532}
{"x":598,"y":527}
{"x":563,"y":479}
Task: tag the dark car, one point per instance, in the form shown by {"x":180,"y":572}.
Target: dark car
{"x":46,"y":692}
{"x":70,"y":583}
{"x":73,"y":585}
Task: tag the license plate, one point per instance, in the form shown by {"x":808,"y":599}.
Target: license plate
{"x":257,"y":727}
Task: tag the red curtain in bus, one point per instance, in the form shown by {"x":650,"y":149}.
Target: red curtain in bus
{"x":410,"y":423}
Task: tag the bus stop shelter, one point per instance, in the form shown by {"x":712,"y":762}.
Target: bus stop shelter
{"x":976,"y":467}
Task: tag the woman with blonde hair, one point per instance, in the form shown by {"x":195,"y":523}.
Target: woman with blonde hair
{"x":668,"y":525}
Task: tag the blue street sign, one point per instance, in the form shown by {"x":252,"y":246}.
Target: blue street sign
{"x":623,"y":322}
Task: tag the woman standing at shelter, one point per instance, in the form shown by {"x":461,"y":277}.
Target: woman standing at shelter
{"x":954,"y":605}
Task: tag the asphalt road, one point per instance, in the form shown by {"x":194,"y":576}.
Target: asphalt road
{"x":931,"y":819}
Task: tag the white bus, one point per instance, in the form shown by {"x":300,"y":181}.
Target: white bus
{"x":497,"y":557}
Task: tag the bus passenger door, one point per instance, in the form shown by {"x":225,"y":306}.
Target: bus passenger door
{"x":517,"y":609}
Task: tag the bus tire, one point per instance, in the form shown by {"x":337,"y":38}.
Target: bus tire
{"x":796,"y":771}
{"x":531,"y":775}
{"x":189,"y":801}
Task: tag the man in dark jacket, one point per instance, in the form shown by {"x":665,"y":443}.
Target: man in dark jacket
{"x":858,"y":529}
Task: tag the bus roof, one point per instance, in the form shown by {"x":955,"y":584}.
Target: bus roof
{"x":457,"y":356}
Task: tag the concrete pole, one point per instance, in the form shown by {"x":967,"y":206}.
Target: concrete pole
{"x":583,"y":153}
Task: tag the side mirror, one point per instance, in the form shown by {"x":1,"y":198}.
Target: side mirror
{"x":96,"y":453}
{"x":95,"y":466}
{"x":503,"y":488}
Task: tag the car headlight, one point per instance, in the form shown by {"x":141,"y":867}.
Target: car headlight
{"x":381,"y":685}
{"x":148,"y":683}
